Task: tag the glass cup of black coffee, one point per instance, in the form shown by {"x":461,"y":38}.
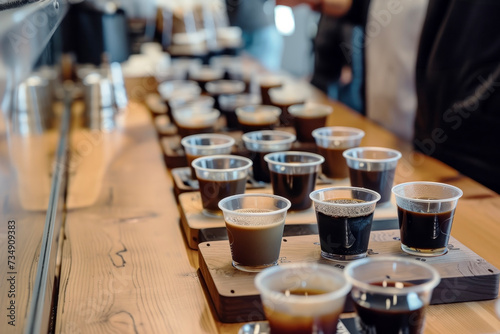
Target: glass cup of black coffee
{"x":302,"y":297}
{"x":229,"y":103}
{"x":293,"y":176}
{"x":254,"y":224}
{"x":224,"y":87}
{"x":391,"y":294}
{"x":286,"y":96}
{"x":373,"y":168}
{"x":331,"y":142}
{"x":344,"y":216}
{"x":307,"y":118}
{"x":425,"y":214}
{"x":205,"y":74}
{"x":260,"y":143}
{"x":220,"y":176}
{"x":266,"y":82}
{"x":196,"y":146}
{"x":186,"y":89}
{"x":257,"y":117}
{"x":194,"y":119}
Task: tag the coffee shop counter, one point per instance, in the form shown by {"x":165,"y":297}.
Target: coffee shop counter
{"x":126,"y":266}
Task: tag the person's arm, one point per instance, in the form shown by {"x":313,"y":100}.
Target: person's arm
{"x":328,"y":7}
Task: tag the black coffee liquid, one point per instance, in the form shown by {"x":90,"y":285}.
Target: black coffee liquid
{"x":380,"y":314}
{"x":379,"y":181}
{"x":425,"y":231}
{"x":344,"y":235}
{"x":296,"y":188}
{"x":213,"y":191}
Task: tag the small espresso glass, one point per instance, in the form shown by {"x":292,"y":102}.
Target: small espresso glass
{"x":344,"y":216}
{"x":194,"y":119}
{"x":332,"y":142}
{"x":196,"y":146}
{"x":286,"y":96}
{"x":391,"y":294}
{"x":259,"y":143}
{"x":302,"y":297}
{"x":257,"y":117}
{"x":307,"y":118}
{"x":254,"y":224}
{"x":373,"y":168}
{"x":293,"y":176}
{"x":220,"y":176}
{"x":425,"y":214}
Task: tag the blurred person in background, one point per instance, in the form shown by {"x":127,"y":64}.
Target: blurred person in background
{"x":432,"y":76}
{"x":260,"y":37}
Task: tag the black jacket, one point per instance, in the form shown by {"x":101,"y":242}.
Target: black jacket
{"x":458,"y":87}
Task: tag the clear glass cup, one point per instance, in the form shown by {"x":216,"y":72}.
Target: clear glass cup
{"x":193,"y":119}
{"x":425,"y":213}
{"x":229,"y":103}
{"x":220,"y":176}
{"x":373,"y":168}
{"x":332,"y":142}
{"x":302,"y":297}
{"x":308,"y":117}
{"x":266,"y":82}
{"x":178,"y":89}
{"x":257,"y":117}
{"x":182,"y":100}
{"x":205,"y":74}
{"x":259,"y":143}
{"x":286,"y":96}
{"x":391,"y":294}
{"x":293,"y":176}
{"x":344,"y":216}
{"x":196,"y":146}
{"x":224,"y":87}
{"x":254,"y":224}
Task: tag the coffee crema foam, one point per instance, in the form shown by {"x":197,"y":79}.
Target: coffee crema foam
{"x":252,"y":221}
{"x":336,"y":208}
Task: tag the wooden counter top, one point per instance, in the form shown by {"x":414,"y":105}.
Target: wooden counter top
{"x":126,"y":267}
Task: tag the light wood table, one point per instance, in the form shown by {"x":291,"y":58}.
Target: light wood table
{"x":126,"y":267}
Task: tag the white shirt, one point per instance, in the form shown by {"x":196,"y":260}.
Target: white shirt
{"x":392,"y":36}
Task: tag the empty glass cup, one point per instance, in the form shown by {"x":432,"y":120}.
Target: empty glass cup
{"x":391,"y":294}
{"x":254,"y":224}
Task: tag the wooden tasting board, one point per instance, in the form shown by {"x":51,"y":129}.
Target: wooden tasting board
{"x":199,"y":227}
{"x":464,"y":275}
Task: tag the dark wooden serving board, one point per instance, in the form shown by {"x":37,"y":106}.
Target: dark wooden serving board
{"x":465,"y":276}
{"x":198,"y":227}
